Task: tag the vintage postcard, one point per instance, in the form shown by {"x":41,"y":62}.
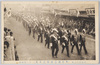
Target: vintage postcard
{"x":50,"y":32}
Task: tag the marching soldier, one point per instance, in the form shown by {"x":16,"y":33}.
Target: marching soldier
{"x":82,"y":40}
{"x":61,"y":34}
{"x":40,"y":35}
{"x":34,"y":30}
{"x":47,"y":36}
{"x":54,"y":41}
{"x":65,"y":43}
{"x":29,"y":30}
{"x":75,"y":41}
{"x":69,"y":36}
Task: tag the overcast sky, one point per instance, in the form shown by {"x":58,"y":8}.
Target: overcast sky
{"x":37,"y":7}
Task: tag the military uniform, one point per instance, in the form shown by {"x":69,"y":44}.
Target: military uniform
{"x":34,"y":30}
{"x":65,"y":44}
{"x":29,"y":30}
{"x":54,"y":40}
{"x":40,"y":35}
{"x":60,"y":34}
{"x":75,"y":39}
{"x":82,"y":40}
{"x":69,"y":36}
{"x":47,"y":36}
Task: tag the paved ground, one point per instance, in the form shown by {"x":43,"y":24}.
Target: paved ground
{"x":29,"y":49}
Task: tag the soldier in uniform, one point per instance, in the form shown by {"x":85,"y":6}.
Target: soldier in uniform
{"x":65,"y":43}
{"x":29,"y":28}
{"x":51,"y":33}
{"x":61,"y":34}
{"x":75,"y":38}
{"x":83,"y":40}
{"x":54,"y":41}
{"x":47,"y":36}
{"x":69,"y":36}
{"x":34,"y":30}
{"x":40,"y":35}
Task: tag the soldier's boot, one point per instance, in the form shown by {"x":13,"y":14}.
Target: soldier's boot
{"x":56,"y":52}
{"x":67,"y":49}
{"x":38,"y":38}
{"x":68,"y":55}
{"x":41,"y":39}
{"x":72,"y":49}
{"x":78,"y":52}
{"x":53,"y":52}
{"x":78,"y":49}
{"x":86,"y":52}
{"x":85,"y":49}
{"x":62,"y":49}
{"x":45,"y":44}
{"x":52,"y":56}
{"x":56,"y":57}
{"x":34,"y":36}
{"x":48,"y":45}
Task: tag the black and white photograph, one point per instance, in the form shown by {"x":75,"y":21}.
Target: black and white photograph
{"x":50,"y":31}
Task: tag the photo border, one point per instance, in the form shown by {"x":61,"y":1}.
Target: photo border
{"x":55,"y":61}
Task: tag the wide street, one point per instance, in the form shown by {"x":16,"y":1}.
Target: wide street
{"x":29,"y":48}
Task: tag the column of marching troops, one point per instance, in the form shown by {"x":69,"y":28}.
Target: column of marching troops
{"x":54,"y":35}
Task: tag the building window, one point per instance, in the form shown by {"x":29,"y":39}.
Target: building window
{"x":87,"y":11}
{"x":90,"y":11}
{"x":93,"y":11}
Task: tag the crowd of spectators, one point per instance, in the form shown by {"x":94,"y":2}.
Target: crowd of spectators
{"x":10,"y":52}
{"x":80,"y":23}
